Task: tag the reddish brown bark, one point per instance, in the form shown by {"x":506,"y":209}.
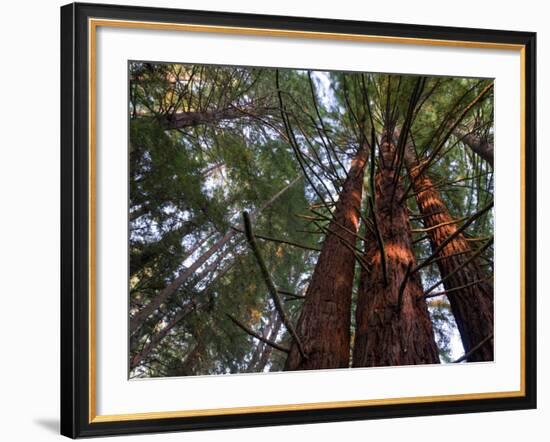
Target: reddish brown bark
{"x":472,"y":306}
{"x":324,"y":323}
{"x":393,"y":326}
{"x":156,"y":339}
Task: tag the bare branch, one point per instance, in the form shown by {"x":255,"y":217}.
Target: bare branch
{"x":455,"y":289}
{"x":473,"y":350}
{"x":256,"y":335}
{"x":270,"y":284}
{"x":453,"y":236}
{"x":281,"y":241}
{"x":441,"y":144}
{"x":464,"y":264}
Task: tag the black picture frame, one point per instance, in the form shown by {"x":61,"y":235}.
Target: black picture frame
{"x":75,"y":220}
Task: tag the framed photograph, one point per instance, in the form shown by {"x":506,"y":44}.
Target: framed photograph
{"x":274,"y":220}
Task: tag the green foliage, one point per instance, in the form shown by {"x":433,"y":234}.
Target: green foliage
{"x":189,"y":185}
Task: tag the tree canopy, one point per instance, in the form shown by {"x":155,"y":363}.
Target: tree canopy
{"x":208,"y":143}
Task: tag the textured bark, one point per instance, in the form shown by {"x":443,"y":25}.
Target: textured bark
{"x":472,"y":306}
{"x":483,"y":147}
{"x":324,"y":323}
{"x":393,"y":326}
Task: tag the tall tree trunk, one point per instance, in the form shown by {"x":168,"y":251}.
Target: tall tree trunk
{"x":324,"y":323}
{"x":169,"y":290}
{"x":393,"y":326}
{"x":471,"y":304}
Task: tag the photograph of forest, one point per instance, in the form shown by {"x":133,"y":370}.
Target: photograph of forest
{"x":293,"y":219}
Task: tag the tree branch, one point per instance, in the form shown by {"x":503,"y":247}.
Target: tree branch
{"x":402,"y":287}
{"x":455,"y":289}
{"x":137,"y":320}
{"x":460,"y":267}
{"x":473,"y":350}
{"x":437,"y":226}
{"x":256,"y":335}
{"x":451,"y":237}
{"x":281,"y":241}
{"x":291,"y":294}
{"x":270,"y":284}
{"x":441,"y":144}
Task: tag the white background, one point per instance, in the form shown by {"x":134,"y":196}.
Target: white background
{"x":29,"y":183}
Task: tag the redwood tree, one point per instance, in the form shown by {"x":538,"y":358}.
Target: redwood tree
{"x":324,"y":323}
{"x":467,"y":286}
{"x":393,"y":325}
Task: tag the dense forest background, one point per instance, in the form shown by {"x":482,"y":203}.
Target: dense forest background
{"x":294,"y":219}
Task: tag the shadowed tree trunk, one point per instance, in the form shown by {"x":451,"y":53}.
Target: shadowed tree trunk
{"x":324,"y":323}
{"x":471,"y":302}
{"x":393,"y":323}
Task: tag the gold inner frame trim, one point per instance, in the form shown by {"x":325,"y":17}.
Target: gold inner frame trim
{"x":93,"y":24}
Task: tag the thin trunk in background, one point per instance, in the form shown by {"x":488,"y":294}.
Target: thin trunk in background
{"x":169,"y":290}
